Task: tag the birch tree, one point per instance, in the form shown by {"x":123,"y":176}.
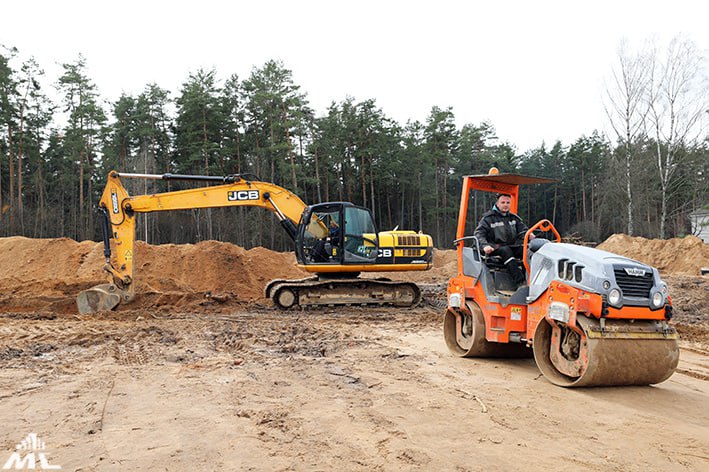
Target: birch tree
{"x":626,"y":108}
{"x":677,"y":100}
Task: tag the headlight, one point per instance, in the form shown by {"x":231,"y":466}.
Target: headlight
{"x":664,"y":289}
{"x":606,"y":284}
{"x":657,"y":299}
{"x":614,"y":297}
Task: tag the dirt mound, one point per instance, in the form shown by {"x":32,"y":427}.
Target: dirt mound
{"x":444,"y":267}
{"x":670,"y":256}
{"x":47,"y":274}
{"x":211,"y":267}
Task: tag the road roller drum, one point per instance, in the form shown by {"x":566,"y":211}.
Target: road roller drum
{"x":620,"y":353}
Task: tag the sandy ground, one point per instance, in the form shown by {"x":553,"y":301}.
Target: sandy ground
{"x":363,"y":390}
{"x":187,"y":383}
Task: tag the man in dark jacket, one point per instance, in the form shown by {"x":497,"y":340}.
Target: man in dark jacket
{"x":501,"y":233}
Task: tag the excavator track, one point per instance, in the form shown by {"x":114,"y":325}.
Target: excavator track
{"x":273,"y":283}
{"x":618,"y":352}
{"x":356,"y":291}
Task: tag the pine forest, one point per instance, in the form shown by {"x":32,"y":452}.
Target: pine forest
{"x":59,"y":138}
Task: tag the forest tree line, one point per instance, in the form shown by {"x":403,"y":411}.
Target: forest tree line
{"x":55,"y":153}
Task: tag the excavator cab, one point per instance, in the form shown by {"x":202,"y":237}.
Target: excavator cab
{"x":336,"y":233}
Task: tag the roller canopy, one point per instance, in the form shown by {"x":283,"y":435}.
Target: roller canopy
{"x":511,"y":179}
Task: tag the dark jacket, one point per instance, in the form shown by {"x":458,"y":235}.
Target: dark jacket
{"x":497,"y":229}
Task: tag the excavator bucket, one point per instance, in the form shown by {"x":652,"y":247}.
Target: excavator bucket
{"x":102,"y":297}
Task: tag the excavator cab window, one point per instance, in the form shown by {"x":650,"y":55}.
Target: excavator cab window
{"x":337,"y":233}
{"x":360,"y":238}
{"x":322,"y":235}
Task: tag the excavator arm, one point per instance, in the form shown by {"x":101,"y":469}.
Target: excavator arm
{"x":118,"y":210}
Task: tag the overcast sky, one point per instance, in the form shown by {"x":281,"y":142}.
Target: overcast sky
{"x":535,"y":69}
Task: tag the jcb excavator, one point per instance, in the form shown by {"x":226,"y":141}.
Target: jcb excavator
{"x":336,"y":241}
{"x":589,"y":317}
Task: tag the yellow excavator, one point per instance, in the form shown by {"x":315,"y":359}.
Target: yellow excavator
{"x":336,"y":241}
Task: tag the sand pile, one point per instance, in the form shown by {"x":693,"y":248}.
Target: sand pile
{"x":444,"y":267}
{"x":47,"y":274}
{"x":670,"y":256}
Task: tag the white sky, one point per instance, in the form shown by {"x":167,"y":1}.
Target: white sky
{"x":535,"y":69}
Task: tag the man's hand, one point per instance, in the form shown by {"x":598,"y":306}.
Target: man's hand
{"x":531,"y":236}
{"x":488,"y":249}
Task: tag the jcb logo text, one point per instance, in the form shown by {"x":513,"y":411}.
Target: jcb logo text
{"x":385,"y":253}
{"x":234,"y":196}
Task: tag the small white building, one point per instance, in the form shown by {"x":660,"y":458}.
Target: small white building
{"x":700,"y":223}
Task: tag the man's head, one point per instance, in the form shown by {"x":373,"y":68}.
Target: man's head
{"x":504,"y":200}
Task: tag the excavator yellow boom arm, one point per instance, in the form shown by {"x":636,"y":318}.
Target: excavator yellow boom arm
{"x":120,"y":209}
{"x":238,"y":192}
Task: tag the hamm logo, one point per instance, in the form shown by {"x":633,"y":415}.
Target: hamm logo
{"x":29,"y":447}
{"x":634,"y":271}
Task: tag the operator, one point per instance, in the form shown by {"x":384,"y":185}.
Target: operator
{"x":334,"y":233}
{"x":501,"y":233}
{"x":319,"y":252}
